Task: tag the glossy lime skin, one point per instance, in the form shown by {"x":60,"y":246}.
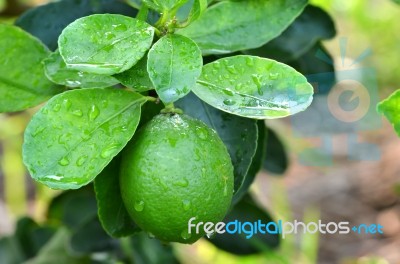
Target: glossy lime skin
{"x":174,"y":169}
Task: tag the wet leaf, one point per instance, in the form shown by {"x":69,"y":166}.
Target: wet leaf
{"x":238,"y":134}
{"x":174,"y":64}
{"x":232,"y":26}
{"x":137,"y":77}
{"x":312,"y":25}
{"x":390,"y":108}
{"x":276,"y":159}
{"x":255,"y":166}
{"x":72,"y":208}
{"x":164,"y":5}
{"x":191,"y":11}
{"x":112,"y":213}
{"x":77,"y":133}
{"x":22,"y":80}
{"x":58,"y":72}
{"x":254,"y":87}
{"x":317,"y":65}
{"x":103,"y":44}
{"x":47,"y":21}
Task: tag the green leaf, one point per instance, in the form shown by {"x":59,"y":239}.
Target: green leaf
{"x":47,"y":21}
{"x":55,"y":251}
{"x":276,"y":159}
{"x":232,"y":26}
{"x":31,"y":237}
{"x":90,"y":237}
{"x":254,"y":87}
{"x":103,"y":44}
{"x":58,"y":72}
{"x":174,"y":64}
{"x":246,"y":211}
{"x":312,"y":25}
{"x":164,"y":5}
{"x":238,"y":134}
{"x":112,"y":213}
{"x":192,"y":11}
{"x":73,"y":208}
{"x":22,"y":80}
{"x":10,"y":251}
{"x":147,"y":250}
{"x":390,"y":108}
{"x":137,"y":77}
{"x":317,"y":65}
{"x":255,"y":166}
{"x":71,"y":139}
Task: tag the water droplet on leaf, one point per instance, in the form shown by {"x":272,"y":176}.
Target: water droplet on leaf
{"x":229,"y":102}
{"x":94,"y":112}
{"x":63,"y":162}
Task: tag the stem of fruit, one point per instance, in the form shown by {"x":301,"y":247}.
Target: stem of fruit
{"x":170,"y":109}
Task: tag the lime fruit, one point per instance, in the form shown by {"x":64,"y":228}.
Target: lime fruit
{"x":176,"y":168}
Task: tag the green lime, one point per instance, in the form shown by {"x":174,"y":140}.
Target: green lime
{"x":174,"y":169}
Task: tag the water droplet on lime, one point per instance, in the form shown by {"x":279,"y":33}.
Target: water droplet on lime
{"x":186,"y":204}
{"x":139,"y":206}
{"x":185,"y":235}
{"x":182,"y":183}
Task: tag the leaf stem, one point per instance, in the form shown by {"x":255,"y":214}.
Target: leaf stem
{"x":143,"y":13}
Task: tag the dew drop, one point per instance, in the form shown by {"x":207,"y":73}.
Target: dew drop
{"x":217,"y":65}
{"x":120,"y":27}
{"x":109,"y":35}
{"x":239,"y":86}
{"x":67,"y":104}
{"x":274,"y":76}
{"x":63,"y":162}
{"x":249,"y":61}
{"x":229,"y":102}
{"x":185,"y":235}
{"x":186,"y":204}
{"x":202,"y":133}
{"x":56,"y":107}
{"x":38,"y":130}
{"x":77,"y":113}
{"x":182,"y":183}
{"x":257,"y":81}
{"x":108,"y":151}
{"x":81,"y":160}
{"x":203,"y":172}
{"x":94,"y":112}
{"x":139,"y":206}
{"x":228,"y":91}
{"x":231,"y":69}
{"x":210,"y":235}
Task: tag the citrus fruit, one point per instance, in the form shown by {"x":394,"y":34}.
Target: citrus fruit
{"x":176,"y":168}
